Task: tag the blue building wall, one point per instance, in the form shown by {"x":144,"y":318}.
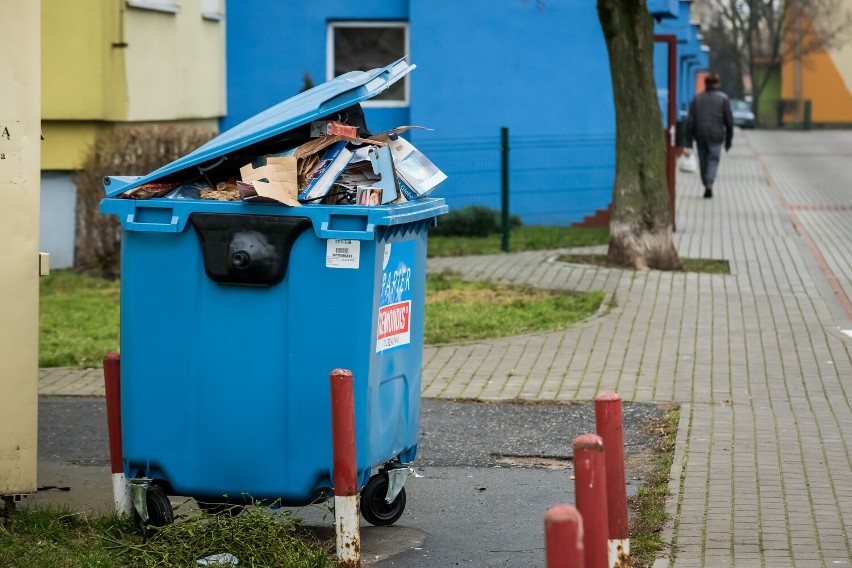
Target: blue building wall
{"x":540,"y":69}
{"x":663,"y":8}
{"x":661,"y":76}
{"x":271,"y":45}
{"x":688,"y":46}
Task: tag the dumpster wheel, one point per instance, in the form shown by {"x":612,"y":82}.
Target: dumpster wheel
{"x":376,"y":510}
{"x":159,"y":508}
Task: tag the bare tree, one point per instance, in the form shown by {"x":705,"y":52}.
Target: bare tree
{"x":641,"y":224}
{"x":776,"y":32}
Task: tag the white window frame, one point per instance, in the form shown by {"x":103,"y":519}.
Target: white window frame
{"x":329,"y":65}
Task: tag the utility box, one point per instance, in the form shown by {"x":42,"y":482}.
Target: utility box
{"x":20,"y":135}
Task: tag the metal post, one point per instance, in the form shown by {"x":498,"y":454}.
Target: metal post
{"x":608,"y":423}
{"x":590,"y":485}
{"x":504,"y":159}
{"x":121,"y":494}
{"x":563,"y":537}
{"x":346,"y":506}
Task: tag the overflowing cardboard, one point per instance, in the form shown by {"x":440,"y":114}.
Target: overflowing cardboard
{"x":271,"y":178}
{"x":333,"y":167}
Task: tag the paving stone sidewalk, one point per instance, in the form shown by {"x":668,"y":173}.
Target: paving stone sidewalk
{"x":759,"y":358}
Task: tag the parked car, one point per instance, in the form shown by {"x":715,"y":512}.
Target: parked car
{"x":743,"y":115}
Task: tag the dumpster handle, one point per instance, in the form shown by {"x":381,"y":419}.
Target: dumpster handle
{"x":171,"y":227}
{"x":366,"y":235}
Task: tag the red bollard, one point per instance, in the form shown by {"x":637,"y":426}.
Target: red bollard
{"x":609,"y":427}
{"x":112,"y":388}
{"x":590,"y":486}
{"x":346,"y":506}
{"x":563,"y":537}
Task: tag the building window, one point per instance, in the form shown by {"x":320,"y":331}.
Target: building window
{"x":213,"y":10}
{"x":168,"y":6}
{"x":360,"y":46}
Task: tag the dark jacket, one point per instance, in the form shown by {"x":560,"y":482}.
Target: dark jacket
{"x":710,"y":119}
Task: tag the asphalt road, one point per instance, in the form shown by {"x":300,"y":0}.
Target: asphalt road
{"x":490,"y":473}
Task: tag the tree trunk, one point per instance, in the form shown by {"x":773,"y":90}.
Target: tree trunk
{"x":641,"y":224}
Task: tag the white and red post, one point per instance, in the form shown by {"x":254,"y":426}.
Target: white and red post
{"x":347,"y":514}
{"x":112,"y":386}
{"x":608,"y":422}
{"x":563,"y":537}
{"x":596,"y":533}
{"x":590,"y":487}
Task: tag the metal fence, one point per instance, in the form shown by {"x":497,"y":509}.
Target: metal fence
{"x":553,"y":180}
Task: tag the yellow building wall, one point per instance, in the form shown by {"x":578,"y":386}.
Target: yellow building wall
{"x":82,"y":61}
{"x":66,"y":143}
{"x":826,"y":80}
{"x":19,"y":233}
{"x":105,"y":61}
{"x":175,"y":64}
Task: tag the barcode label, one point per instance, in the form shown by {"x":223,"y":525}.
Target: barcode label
{"x":343,"y":253}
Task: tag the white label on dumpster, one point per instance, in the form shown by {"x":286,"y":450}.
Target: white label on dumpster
{"x":342,"y":253}
{"x":394,"y":321}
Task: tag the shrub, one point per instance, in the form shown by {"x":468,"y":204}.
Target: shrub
{"x":135,"y":149}
{"x":473,"y":221}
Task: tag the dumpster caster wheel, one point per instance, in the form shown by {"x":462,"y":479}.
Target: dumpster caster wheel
{"x":375,"y":509}
{"x":160,"y":511}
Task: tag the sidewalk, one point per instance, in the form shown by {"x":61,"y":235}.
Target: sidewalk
{"x":70,"y":382}
{"x":758,"y":358}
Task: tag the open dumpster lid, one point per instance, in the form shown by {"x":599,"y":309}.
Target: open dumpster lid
{"x":322,"y":100}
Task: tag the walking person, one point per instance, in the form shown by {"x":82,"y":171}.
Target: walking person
{"x":710,"y":124}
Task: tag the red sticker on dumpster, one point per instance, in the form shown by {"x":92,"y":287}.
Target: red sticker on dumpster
{"x":393,"y":328}
{"x":394,"y":325}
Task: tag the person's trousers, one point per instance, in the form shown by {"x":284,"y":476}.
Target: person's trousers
{"x":709,"y":154}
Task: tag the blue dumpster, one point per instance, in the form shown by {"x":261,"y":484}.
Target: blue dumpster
{"x":233,"y":314}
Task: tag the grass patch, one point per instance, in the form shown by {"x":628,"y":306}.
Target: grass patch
{"x":78,"y":319}
{"x":649,"y":503}
{"x":706,"y":265}
{"x":58,"y":538}
{"x":457,"y":310}
{"x":522,"y":239}
{"x":258,"y":537}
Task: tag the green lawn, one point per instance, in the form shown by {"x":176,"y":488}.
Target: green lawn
{"x":78,"y":320}
{"x":468,"y":311}
{"x":522,"y":238}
